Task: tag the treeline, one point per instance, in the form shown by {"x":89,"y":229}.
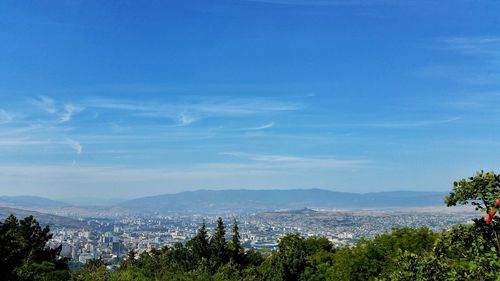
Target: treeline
{"x":465,"y":252}
{"x":462,"y":253}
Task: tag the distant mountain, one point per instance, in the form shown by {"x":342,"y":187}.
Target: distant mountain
{"x":30,"y":202}
{"x":215,"y":201}
{"x":42,"y":218}
{"x":93,"y":201}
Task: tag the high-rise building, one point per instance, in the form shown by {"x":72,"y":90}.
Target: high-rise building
{"x":116,"y":247}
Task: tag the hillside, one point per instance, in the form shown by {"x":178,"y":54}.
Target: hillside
{"x":42,"y":218}
{"x":30,"y":202}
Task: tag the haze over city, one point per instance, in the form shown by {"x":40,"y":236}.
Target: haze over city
{"x":123,"y":99}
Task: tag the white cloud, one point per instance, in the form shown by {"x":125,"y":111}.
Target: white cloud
{"x":411,"y":124}
{"x":49,"y":105}
{"x":261,"y":127}
{"x":13,"y":142}
{"x":243,"y":106}
{"x":68,"y":112}
{"x":75,"y":145}
{"x":185,"y":119}
{"x":198,"y":107}
{"x":272,"y":161}
{"x":276,"y":158}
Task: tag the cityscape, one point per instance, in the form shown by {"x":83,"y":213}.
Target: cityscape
{"x":112,"y":239}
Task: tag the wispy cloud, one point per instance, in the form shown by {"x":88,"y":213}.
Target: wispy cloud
{"x":486,"y":74}
{"x":45,"y":103}
{"x":261,"y":127}
{"x":24,"y":142}
{"x":75,"y":145}
{"x":41,"y":143}
{"x":276,"y":158}
{"x":411,"y":124}
{"x":118,"y":128}
{"x":49,"y":105}
{"x":476,"y":46}
{"x":5,"y":117}
{"x":184,"y":113}
{"x":474,"y":101}
{"x":68,"y":112}
{"x":478,"y":62}
{"x":221,"y":106}
{"x":127,"y":121}
{"x":290,"y":161}
{"x":186,"y":119}
{"x":399,"y":124}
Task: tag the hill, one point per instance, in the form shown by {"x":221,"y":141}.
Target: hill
{"x":30,"y":202}
{"x":42,"y":218}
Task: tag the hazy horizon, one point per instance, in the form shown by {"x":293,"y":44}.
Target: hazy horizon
{"x":124,"y":99}
{"x":23,"y":201}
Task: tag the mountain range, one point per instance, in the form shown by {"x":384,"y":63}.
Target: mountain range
{"x":213,"y":201}
{"x":237,"y":200}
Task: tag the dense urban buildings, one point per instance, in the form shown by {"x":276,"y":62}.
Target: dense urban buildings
{"x":112,"y":239}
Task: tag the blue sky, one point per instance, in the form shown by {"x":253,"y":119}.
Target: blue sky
{"x":132,"y":98}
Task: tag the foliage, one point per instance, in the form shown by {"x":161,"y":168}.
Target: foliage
{"x":24,"y":254}
{"x":94,"y":270}
{"x":483,"y":192}
{"x":219,"y":249}
{"x":465,"y":252}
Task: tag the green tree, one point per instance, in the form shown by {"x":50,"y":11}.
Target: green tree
{"x":292,"y":253}
{"x":482,"y":191}
{"x":24,"y":254}
{"x":129,"y":274}
{"x":343,"y":264}
{"x":218,"y":246}
{"x":465,"y":252}
{"x":235,"y":246}
{"x":181,"y":259}
{"x":376,"y":258}
{"x":314,"y":244}
{"x":93,"y":270}
{"x":130,"y":260}
{"x":319,"y":265}
{"x":253,"y":258}
{"x":271,"y":269}
{"x":230,"y":271}
{"x":200,"y":248}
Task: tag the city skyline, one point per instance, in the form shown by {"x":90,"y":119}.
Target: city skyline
{"x":125,"y":99}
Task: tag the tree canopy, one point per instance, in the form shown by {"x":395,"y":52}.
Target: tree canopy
{"x":24,"y":254}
